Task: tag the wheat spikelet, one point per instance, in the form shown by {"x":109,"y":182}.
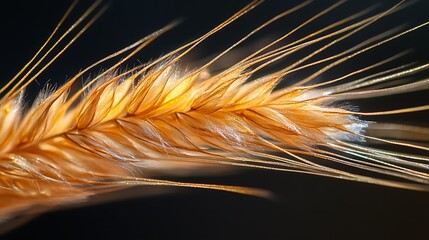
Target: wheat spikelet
{"x":122,"y":127}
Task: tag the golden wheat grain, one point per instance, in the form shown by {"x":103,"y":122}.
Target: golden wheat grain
{"x":123,"y":128}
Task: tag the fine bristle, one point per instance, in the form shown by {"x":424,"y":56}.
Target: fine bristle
{"x":131,"y":127}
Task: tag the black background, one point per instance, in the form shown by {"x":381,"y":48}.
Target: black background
{"x":306,"y":207}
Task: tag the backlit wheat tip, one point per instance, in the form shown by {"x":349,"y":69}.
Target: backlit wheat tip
{"x":128,"y":128}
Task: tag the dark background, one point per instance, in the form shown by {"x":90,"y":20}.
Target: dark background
{"x":306,"y":207}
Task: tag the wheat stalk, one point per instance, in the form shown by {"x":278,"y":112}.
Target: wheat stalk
{"x":123,"y":128}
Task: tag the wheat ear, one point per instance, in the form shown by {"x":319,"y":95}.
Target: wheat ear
{"x":122,"y":129}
